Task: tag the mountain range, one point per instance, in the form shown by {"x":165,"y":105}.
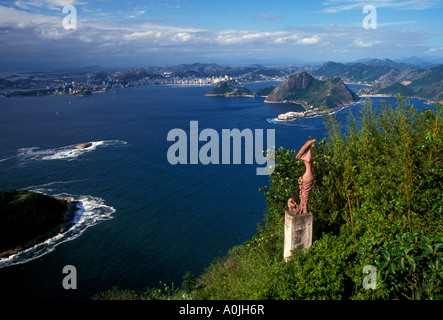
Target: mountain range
{"x":301,"y":88}
{"x":387,"y":77}
{"x":411,"y":77}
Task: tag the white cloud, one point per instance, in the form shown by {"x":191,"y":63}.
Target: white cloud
{"x":181,"y":37}
{"x":309,"y":40}
{"x":11,"y":16}
{"x":365,"y":43}
{"x":138,"y":35}
{"x":49,"y":4}
{"x":229,"y":37}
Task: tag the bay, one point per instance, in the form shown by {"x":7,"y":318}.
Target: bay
{"x":145,"y":220}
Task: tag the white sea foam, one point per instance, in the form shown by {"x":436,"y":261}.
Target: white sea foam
{"x":5,"y":159}
{"x":91,"y":210}
{"x":67,"y":153}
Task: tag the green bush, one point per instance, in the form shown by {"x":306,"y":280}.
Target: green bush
{"x":164,"y":292}
{"x":323,"y":272}
{"x":408,"y":267}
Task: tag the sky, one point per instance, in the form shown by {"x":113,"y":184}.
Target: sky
{"x":40,"y":34}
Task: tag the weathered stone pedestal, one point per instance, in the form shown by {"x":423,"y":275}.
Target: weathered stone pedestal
{"x":298,"y":233}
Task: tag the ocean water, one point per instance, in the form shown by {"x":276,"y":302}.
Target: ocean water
{"x":143,"y":220}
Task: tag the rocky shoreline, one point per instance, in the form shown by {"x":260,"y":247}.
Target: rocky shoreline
{"x":68,"y":216}
{"x":226,"y":95}
{"x":291,"y":115}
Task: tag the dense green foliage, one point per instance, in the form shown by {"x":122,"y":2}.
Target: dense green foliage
{"x":410,"y":265}
{"x":25,"y":215}
{"x":165,"y":292}
{"x":377,"y":200}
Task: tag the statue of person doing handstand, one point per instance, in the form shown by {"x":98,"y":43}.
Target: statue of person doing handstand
{"x":305,"y":181}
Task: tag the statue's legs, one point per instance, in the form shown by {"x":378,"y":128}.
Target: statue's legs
{"x":305,"y":191}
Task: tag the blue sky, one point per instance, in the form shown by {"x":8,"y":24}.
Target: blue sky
{"x":170,"y":32}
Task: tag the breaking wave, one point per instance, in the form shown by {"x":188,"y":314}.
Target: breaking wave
{"x":67,"y":153}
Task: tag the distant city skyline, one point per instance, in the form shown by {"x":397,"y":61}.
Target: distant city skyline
{"x":126,"y":34}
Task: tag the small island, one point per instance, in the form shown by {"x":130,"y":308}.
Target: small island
{"x":84,"y":145}
{"x":224,"y":89}
{"x":28,"y":218}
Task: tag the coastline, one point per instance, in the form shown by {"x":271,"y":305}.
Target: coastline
{"x":68,"y":216}
{"x":229,"y":96}
{"x":291,"y":115}
{"x":381,"y":95}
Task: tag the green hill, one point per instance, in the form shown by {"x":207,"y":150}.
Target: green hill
{"x":226,"y":90}
{"x":25,"y":215}
{"x":397,"y":88}
{"x":428,"y":85}
{"x":264,"y":92}
{"x":304,"y":89}
{"x":356,"y":72}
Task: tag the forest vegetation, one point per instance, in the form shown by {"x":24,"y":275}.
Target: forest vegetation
{"x":26,"y":215}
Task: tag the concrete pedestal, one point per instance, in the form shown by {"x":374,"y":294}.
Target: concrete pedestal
{"x":298,"y":233}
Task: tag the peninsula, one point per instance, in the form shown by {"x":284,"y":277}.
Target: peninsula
{"x":28,"y":218}
{"x":315,"y":96}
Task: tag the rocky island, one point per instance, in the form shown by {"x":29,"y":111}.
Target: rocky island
{"x":84,"y":145}
{"x":315,"y":96}
{"x":28,"y":218}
